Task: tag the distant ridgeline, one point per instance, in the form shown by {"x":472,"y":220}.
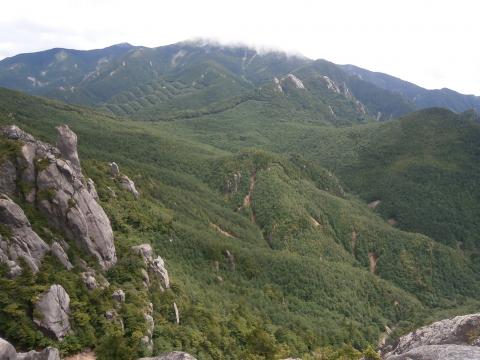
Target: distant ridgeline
{"x":302,"y":209}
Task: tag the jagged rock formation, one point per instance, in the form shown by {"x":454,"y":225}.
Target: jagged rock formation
{"x":175,"y":355}
{"x":124,"y":180}
{"x":53,"y":181}
{"x":8,"y":352}
{"x":52,"y":311}
{"x":18,"y":240}
{"x":155,"y":265}
{"x":449,"y":339}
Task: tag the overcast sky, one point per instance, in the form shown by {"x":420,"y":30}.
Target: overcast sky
{"x":434,"y":44}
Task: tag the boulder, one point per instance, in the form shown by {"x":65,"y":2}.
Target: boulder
{"x":52,"y":311}
{"x":129,"y":185}
{"x":114,"y":169}
{"x":7,"y":351}
{"x":89,"y":280}
{"x":455,"y":338}
{"x":175,"y":355}
{"x":54,"y":183}
{"x":93,"y":280}
{"x":21,"y":241}
{"x":119,"y":295}
{"x":61,"y":255}
{"x":155,"y":265}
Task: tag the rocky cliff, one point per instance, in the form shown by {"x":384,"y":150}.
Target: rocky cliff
{"x":51,"y":179}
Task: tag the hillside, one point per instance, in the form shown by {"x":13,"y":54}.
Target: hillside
{"x":422,"y":98}
{"x":267,"y":253}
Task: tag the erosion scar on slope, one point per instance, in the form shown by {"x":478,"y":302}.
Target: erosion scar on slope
{"x":247,"y":200}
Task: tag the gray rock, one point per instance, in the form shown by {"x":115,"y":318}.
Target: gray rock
{"x":445,"y":339}
{"x":56,"y":185}
{"x":89,"y":280}
{"x":7,"y":351}
{"x":119,"y":295}
{"x":175,"y":355}
{"x":93,"y":280}
{"x":440,"y":352}
{"x":8,"y":178}
{"x":61,"y":255}
{"x":114,"y":169}
{"x":129,"y":185}
{"x":23,"y":241}
{"x":46,"y":354}
{"x":91,"y":189}
{"x":177,"y":313}
{"x":54,"y":308}
{"x":67,"y":144}
{"x":154,"y":265}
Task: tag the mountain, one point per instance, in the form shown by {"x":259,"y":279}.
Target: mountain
{"x":422,"y":98}
{"x":229,"y":203}
{"x":267,"y":253}
{"x":190,"y":78}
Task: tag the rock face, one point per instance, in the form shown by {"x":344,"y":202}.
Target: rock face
{"x":155,"y":265}
{"x":20,"y":241}
{"x":449,"y":339}
{"x":61,"y":255}
{"x":53,"y":309}
{"x":54,"y":183}
{"x":8,"y":352}
{"x":175,"y":355}
{"x":8,"y":178}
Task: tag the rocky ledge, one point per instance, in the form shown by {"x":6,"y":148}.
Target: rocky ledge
{"x":457,"y":338}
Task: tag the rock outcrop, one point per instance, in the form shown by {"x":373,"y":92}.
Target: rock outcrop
{"x":18,"y":239}
{"x":449,"y":339}
{"x":61,"y":255}
{"x":92,"y":280}
{"x":8,"y":352}
{"x":46,"y":354}
{"x":155,"y":265}
{"x":175,"y":355}
{"x":119,"y":295}
{"x":52,"y":180}
{"x":52,"y":311}
{"x":129,"y":185}
{"x":123,"y":180}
